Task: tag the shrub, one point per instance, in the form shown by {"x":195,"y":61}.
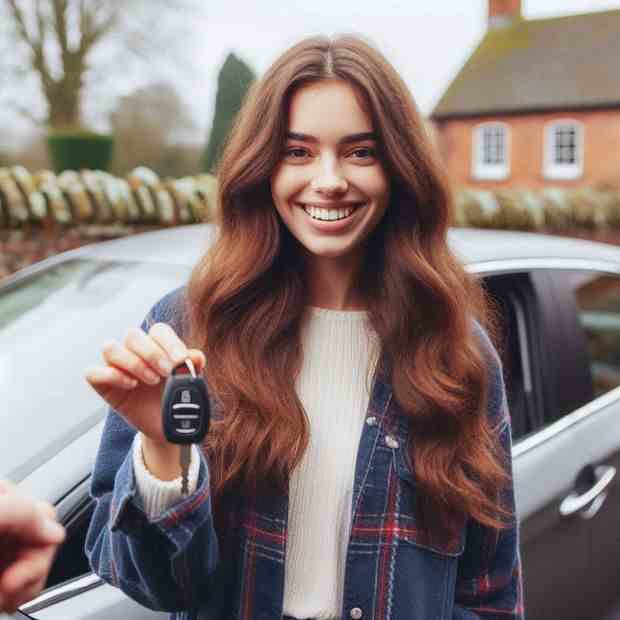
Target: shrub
{"x":519,"y":210}
{"x":79,"y":149}
{"x":481,"y":209}
{"x":556,"y":207}
{"x":613,"y":209}
{"x":589,"y":208}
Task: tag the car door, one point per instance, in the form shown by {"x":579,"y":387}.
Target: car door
{"x":591,"y":299}
{"x":548,"y":457}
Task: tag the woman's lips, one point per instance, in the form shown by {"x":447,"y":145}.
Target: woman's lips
{"x":334,"y":207}
{"x":332,"y":225}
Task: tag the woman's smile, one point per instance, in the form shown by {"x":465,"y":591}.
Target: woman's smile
{"x":330,"y":212}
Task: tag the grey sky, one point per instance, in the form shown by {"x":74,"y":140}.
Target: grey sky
{"x":426,"y":41}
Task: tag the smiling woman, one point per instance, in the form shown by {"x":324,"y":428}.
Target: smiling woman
{"x":358,"y":462}
{"x":330,"y":188}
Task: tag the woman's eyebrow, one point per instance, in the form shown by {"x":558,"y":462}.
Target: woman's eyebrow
{"x":354,"y":137}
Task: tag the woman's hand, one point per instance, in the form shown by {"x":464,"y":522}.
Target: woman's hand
{"x":29,"y":537}
{"x":131,"y":381}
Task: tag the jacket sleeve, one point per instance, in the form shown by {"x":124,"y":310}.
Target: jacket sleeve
{"x":489,"y":578}
{"x":164,"y":562}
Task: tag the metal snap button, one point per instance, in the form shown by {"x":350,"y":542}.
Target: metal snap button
{"x":391,"y":442}
{"x":356,"y":613}
{"x":371,"y":421}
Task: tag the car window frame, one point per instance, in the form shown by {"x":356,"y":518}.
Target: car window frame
{"x":521,"y":289}
{"x":538,"y":265}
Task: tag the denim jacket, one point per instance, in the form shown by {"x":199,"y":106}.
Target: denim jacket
{"x":175,"y":562}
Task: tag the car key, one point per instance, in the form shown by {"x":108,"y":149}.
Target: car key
{"x":186,"y":414}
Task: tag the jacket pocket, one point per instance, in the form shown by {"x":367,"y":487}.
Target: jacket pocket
{"x":407,"y":496}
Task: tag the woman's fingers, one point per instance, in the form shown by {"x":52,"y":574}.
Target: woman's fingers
{"x":141,"y":359}
{"x":130,"y":363}
{"x":109,"y":376}
{"x":170,"y":343}
{"x":149,"y":350}
{"x":175,"y":349}
{"x":198,"y":357}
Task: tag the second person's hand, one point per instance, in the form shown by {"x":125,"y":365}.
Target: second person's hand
{"x":29,"y":537}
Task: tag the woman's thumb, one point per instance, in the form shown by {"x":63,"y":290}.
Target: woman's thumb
{"x":198,"y":358}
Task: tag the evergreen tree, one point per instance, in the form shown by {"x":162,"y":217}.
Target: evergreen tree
{"x":233,"y":81}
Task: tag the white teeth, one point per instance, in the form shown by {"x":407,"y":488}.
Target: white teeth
{"x":327,"y":214}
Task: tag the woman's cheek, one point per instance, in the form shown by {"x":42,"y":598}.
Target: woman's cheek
{"x":291,"y":182}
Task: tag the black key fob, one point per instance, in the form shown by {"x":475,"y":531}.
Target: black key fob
{"x":186,"y":414}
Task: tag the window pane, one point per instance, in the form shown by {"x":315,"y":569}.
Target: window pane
{"x":493,"y":145}
{"x":564,"y":144}
{"x":487,"y":148}
{"x":598,"y":304}
{"x":509,"y":301}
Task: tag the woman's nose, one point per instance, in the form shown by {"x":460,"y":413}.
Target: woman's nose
{"x":329,"y":180}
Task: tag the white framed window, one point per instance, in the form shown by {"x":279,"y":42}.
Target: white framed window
{"x":563,"y":149}
{"x":491,"y":151}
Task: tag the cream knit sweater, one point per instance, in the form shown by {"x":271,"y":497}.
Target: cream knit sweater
{"x":340,"y":353}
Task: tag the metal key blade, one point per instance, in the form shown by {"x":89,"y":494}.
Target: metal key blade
{"x":185,"y":460}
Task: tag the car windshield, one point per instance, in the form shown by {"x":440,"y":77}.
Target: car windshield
{"x":53,"y":324}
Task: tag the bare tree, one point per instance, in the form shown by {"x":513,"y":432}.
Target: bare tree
{"x":149,"y":125}
{"x":60,"y":43}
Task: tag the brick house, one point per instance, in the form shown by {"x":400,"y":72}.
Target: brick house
{"x":536,"y":104}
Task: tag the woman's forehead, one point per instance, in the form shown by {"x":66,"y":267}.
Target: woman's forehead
{"x":328,"y":107}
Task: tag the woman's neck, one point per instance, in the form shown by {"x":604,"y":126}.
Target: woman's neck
{"x":332,"y":283}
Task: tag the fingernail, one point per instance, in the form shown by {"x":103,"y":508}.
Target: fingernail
{"x":165,"y":365}
{"x":179,"y":354}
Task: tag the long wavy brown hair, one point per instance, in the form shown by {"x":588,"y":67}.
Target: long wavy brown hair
{"x":246,"y":298}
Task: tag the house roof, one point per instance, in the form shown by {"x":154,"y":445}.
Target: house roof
{"x":565,"y":62}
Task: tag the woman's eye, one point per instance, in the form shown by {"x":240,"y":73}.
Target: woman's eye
{"x":364,"y":153}
{"x":296,"y":153}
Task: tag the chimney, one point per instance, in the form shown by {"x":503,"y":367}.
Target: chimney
{"x":504,"y":13}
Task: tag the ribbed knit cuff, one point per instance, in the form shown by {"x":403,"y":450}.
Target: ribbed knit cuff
{"x":158,"y":495}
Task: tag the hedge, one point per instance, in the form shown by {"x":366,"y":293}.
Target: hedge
{"x":142,"y":198}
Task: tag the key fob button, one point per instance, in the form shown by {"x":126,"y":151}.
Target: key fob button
{"x":185,"y":409}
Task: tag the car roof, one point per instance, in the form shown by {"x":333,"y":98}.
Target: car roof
{"x":185,"y":244}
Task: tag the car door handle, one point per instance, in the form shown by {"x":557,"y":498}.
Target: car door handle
{"x":574,"y":502}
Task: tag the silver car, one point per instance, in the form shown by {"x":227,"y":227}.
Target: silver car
{"x":560,"y":300}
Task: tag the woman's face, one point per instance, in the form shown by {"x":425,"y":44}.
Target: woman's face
{"x":329,"y":187}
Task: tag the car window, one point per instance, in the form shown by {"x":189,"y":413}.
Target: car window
{"x":559,"y":342}
{"x":70,"y":560}
{"x":53,"y":325}
{"x":597,"y":298}
{"x":513,"y":300}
